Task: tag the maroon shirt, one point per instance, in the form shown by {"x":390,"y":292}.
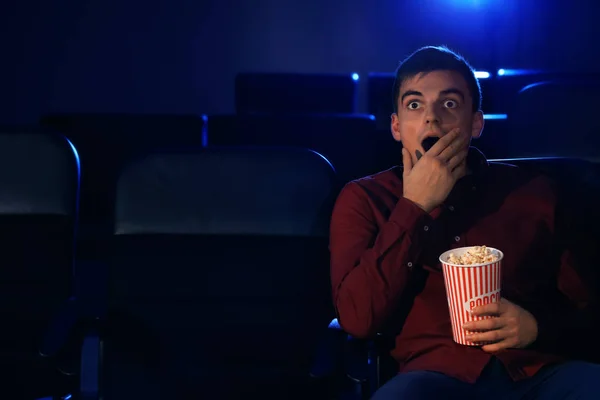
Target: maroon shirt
{"x":386,"y":275}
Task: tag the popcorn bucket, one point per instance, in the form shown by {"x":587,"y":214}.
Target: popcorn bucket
{"x":470,"y":286}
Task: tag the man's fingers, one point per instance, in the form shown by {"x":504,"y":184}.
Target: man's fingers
{"x":459,"y":171}
{"x":406,"y":161}
{"x":484,"y":324}
{"x":488,"y":309}
{"x":499,"y":346}
{"x":456,"y":146}
{"x":444,"y":142}
{"x":493,"y":336}
{"x":457,"y":159}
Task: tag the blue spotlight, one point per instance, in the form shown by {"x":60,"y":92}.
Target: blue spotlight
{"x":516,"y":72}
{"x":495,"y":116}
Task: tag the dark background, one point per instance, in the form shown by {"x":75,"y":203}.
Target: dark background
{"x":181,"y":56}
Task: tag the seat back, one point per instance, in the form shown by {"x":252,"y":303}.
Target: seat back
{"x":39,"y":179}
{"x":221,"y":265}
{"x":578,"y":184}
{"x":541,"y":126}
{"x":350,"y":142}
{"x":295,"y":93}
{"x":106,"y":141}
{"x":39,"y":182}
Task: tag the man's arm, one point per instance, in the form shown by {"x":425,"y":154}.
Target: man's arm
{"x":370,"y":268}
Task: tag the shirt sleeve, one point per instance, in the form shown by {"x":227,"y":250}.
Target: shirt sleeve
{"x":371,"y":266}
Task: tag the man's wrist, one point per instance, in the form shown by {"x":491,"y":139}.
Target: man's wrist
{"x":423,"y":206}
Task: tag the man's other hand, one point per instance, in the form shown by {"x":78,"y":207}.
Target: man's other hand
{"x":512,"y":327}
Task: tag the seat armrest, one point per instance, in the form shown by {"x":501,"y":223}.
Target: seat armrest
{"x":328,"y":360}
{"x":379,"y":362}
{"x":91,"y":365}
{"x":333,"y":363}
{"x":363,"y":361}
{"x":75,"y":310}
{"x":60,"y":329}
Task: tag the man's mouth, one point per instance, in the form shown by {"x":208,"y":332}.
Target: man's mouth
{"x":428,"y":142}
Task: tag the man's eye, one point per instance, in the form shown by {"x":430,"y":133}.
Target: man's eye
{"x":413,"y":105}
{"x":450,"y":104}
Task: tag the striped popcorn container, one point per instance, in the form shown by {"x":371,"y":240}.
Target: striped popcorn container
{"x":469,"y":286}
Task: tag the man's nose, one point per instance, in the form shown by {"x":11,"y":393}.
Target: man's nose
{"x":431,"y":118}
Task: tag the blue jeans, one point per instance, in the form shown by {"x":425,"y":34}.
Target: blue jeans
{"x":569,"y":380}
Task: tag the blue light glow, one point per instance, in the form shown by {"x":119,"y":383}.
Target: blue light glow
{"x":355,"y":76}
{"x":527,"y":159}
{"x":467,"y":2}
{"x":495,"y":116}
{"x":532,"y":85}
{"x":517,"y":72}
{"x":482,"y":74}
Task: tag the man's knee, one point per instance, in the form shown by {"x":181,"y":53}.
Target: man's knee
{"x":422,"y":385}
{"x":575,"y":378}
{"x":582,"y":372}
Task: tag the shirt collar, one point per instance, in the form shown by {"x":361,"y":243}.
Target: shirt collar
{"x":467,"y":187}
{"x":477,"y":162}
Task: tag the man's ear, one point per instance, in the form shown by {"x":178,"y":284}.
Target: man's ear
{"x":395,"y":128}
{"x":478,"y":123}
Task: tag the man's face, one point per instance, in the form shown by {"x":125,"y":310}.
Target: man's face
{"x":431,"y":105}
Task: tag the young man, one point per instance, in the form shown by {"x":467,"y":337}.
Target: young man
{"x":389,"y":229}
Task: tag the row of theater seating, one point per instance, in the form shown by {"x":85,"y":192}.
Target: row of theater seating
{"x":213,"y":282}
{"x":282,"y":93}
{"x":353,"y":142}
{"x":213,"y":277}
{"x":530,"y":103}
{"x":339,"y":93}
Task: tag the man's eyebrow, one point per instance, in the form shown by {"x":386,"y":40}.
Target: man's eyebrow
{"x":453,"y":91}
{"x":410,"y":93}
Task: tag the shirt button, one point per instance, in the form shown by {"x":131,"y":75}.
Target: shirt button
{"x":409,"y":265}
{"x":451,"y":208}
{"x":425,"y":228}
{"x":457,"y":238}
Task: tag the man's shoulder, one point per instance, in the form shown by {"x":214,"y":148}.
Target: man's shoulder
{"x":381,"y":187}
{"x":389,"y":180}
